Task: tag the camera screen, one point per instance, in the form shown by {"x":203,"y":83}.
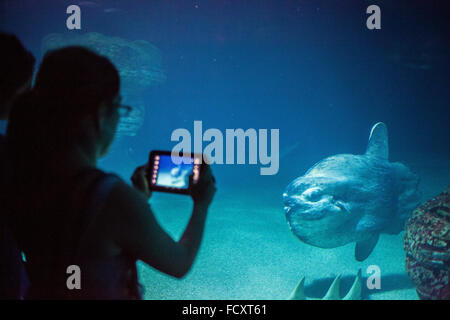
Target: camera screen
{"x":168,"y":174}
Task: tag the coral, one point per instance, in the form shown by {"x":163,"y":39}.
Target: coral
{"x":427,"y":246}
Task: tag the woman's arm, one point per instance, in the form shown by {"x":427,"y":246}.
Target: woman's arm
{"x":136,"y":231}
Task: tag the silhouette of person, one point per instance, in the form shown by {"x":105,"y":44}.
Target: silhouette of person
{"x":67,"y":211}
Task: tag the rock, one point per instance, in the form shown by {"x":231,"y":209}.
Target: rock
{"x":427,"y":246}
{"x":355,"y":292}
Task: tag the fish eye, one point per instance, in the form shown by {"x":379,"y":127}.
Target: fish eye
{"x":313,"y":194}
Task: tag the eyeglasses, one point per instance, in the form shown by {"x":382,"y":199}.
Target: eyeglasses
{"x":124,"y":110}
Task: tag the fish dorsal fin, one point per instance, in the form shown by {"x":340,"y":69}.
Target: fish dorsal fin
{"x":378,"y":142}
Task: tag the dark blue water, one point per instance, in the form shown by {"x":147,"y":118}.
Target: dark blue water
{"x":308,"y":68}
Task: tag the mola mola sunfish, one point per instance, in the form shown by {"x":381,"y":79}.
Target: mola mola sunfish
{"x":352,"y":198}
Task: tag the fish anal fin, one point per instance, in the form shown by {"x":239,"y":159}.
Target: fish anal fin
{"x":364,"y":248}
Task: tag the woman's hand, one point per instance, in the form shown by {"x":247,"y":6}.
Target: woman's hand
{"x":140,"y":182}
{"x":203,"y":191}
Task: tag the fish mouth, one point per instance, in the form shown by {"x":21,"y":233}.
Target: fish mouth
{"x":311,"y":211}
{"x":312,"y":204}
{"x":305,"y":214}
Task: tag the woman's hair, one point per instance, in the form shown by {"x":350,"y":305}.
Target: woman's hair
{"x":16,"y":66}
{"x":45,"y":124}
{"x":75,"y":80}
{"x":71,"y":84}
